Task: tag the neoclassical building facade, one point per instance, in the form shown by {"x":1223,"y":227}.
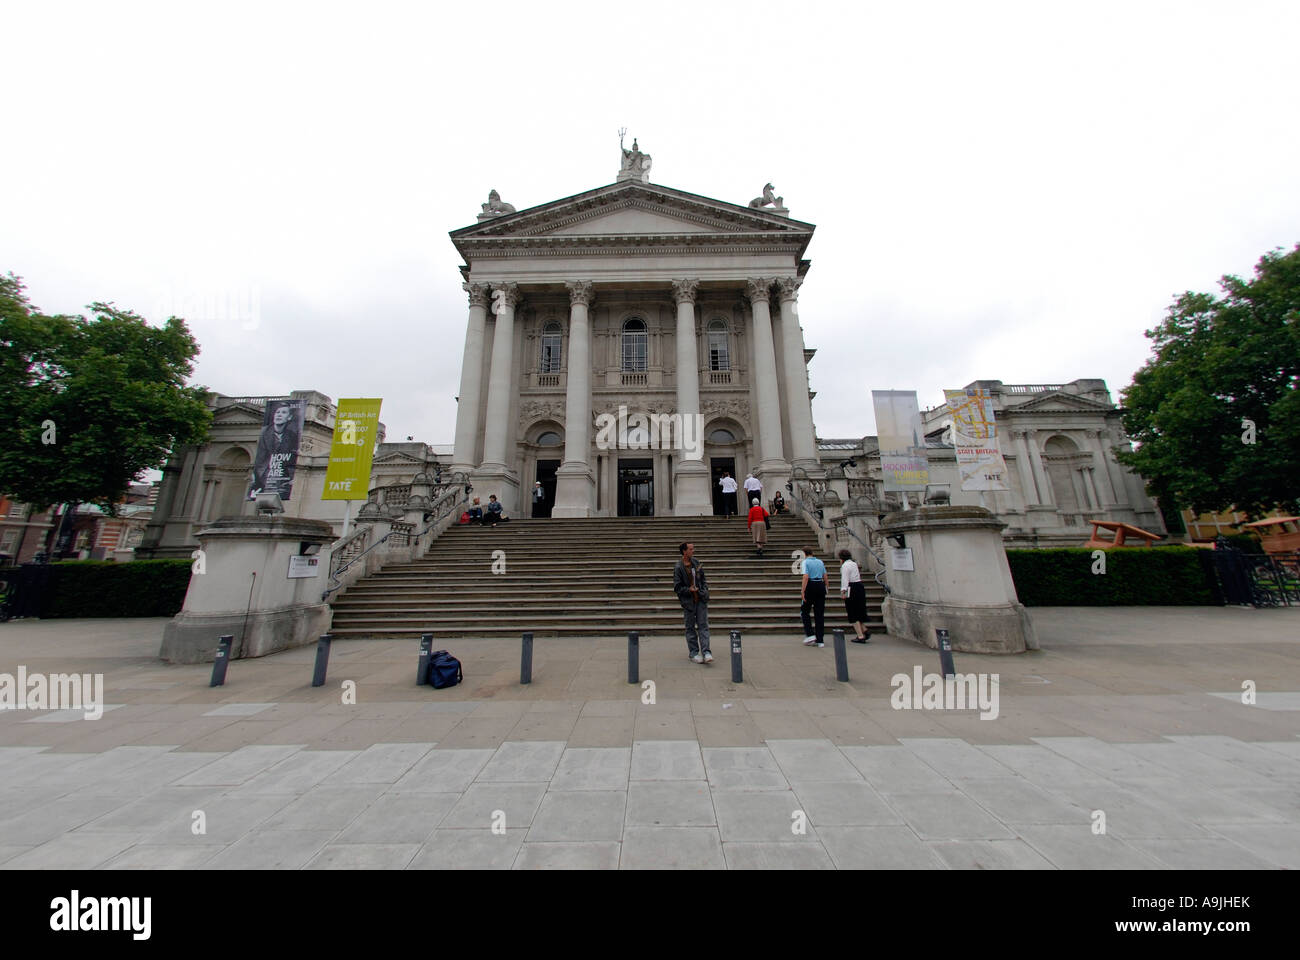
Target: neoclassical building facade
{"x":595,"y":320}
{"x":632,"y":301}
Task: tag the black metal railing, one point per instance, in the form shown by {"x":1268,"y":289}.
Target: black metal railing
{"x":1258,"y":579}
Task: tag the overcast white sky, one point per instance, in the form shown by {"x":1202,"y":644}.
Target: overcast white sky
{"x":1001,"y":191}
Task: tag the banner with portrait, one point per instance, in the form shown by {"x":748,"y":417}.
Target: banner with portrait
{"x":903,"y":461}
{"x":277,"y":448}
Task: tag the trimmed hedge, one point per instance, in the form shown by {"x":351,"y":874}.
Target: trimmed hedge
{"x":1135,"y":576}
{"x":101,"y":588}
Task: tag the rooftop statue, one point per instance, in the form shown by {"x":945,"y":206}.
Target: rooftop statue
{"x":496,"y":207}
{"x":769,"y":198}
{"x":635,"y":165}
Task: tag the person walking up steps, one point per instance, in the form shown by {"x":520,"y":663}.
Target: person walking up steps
{"x":855,"y":596}
{"x":758,"y":524}
{"x":813,"y":594}
{"x":728,"y":485}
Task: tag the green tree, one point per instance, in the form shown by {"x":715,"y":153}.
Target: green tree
{"x":1225,"y":371}
{"x":90,"y":403}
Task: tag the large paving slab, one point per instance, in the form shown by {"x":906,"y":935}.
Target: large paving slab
{"x":1125,"y":719}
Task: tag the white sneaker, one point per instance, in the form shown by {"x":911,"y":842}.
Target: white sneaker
{"x":809,"y":641}
{"x":708,"y":657}
{"x":697,"y":659}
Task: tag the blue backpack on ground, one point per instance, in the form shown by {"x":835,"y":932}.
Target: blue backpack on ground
{"x":444,"y":670}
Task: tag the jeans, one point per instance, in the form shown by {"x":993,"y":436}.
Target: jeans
{"x":696,"y":616}
{"x":815,"y":594}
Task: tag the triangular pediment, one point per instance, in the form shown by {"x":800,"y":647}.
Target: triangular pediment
{"x":397,"y":457}
{"x":630,"y":210}
{"x":1059,"y":403}
{"x":632,"y":218}
{"x":239,"y":413}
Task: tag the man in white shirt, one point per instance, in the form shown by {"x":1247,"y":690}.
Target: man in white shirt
{"x":753,"y":488}
{"x":728,"y":485}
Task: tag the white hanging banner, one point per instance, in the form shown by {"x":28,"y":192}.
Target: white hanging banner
{"x":903,"y":461}
{"x":975,"y":435}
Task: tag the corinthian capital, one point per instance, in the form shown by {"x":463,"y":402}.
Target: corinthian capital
{"x":758,"y":288}
{"x":581,"y":292}
{"x":787,"y":288}
{"x":684,"y":290}
{"x":478,"y":293}
{"x":510,"y":296}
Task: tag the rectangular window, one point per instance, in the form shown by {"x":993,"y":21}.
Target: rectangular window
{"x":719,"y":356}
{"x":634,"y":352}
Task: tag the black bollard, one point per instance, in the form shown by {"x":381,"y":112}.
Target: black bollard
{"x":633,"y":657}
{"x":737,"y":671}
{"x":945,"y":653}
{"x":526,"y":660}
{"x":221,"y":662}
{"x":426,"y":645}
{"x":322,"y":659}
{"x":841,"y":657}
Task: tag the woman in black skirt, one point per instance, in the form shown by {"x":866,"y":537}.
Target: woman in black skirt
{"x":855,"y":596}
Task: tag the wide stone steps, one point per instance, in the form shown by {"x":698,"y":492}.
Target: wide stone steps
{"x":589,"y":578}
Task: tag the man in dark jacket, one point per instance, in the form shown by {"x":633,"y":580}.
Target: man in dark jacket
{"x":693,"y":592}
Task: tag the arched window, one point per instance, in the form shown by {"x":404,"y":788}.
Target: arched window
{"x":634,"y":345}
{"x":550,"y":348}
{"x":550,"y":439}
{"x":719,"y":351}
{"x":722,"y":436}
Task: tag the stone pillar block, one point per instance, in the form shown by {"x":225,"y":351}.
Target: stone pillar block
{"x":246,"y":582}
{"x":961,"y":581}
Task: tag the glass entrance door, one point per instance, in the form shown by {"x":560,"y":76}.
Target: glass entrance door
{"x":636,"y":488}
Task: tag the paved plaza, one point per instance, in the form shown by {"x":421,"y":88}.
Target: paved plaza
{"x":1128,"y":718}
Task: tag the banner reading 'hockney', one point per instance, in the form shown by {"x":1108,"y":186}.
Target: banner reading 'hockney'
{"x":356,"y":430}
{"x":975,"y":435}
{"x":903,"y":462}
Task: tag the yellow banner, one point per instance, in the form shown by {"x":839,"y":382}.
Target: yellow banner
{"x":356,"y":430}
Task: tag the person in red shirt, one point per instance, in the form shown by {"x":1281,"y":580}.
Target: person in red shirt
{"x":758,"y":524}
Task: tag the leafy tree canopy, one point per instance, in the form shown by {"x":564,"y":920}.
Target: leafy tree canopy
{"x":92,"y":402}
{"x":1225,"y":370}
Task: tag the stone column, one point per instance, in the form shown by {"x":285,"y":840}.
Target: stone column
{"x":1040,"y":474}
{"x":773,"y":463}
{"x":471,"y":380}
{"x":1027,"y":483}
{"x":798,"y":403}
{"x":575,"y":486}
{"x":1107,"y":490}
{"x":691,"y":480}
{"x":493,"y":475}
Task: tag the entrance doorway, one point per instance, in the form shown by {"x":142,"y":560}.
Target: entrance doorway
{"x":719,"y":465}
{"x":636,"y":488}
{"x":546,"y":476}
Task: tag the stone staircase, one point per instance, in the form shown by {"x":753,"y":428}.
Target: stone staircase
{"x":595,"y":577}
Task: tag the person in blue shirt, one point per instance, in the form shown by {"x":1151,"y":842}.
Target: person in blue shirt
{"x":813,"y":594}
{"x":494,"y":512}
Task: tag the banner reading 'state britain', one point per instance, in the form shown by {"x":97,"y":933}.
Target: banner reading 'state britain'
{"x":277,"y":448}
{"x":975,"y":435}
{"x":903,"y":462}
{"x":356,"y":430}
